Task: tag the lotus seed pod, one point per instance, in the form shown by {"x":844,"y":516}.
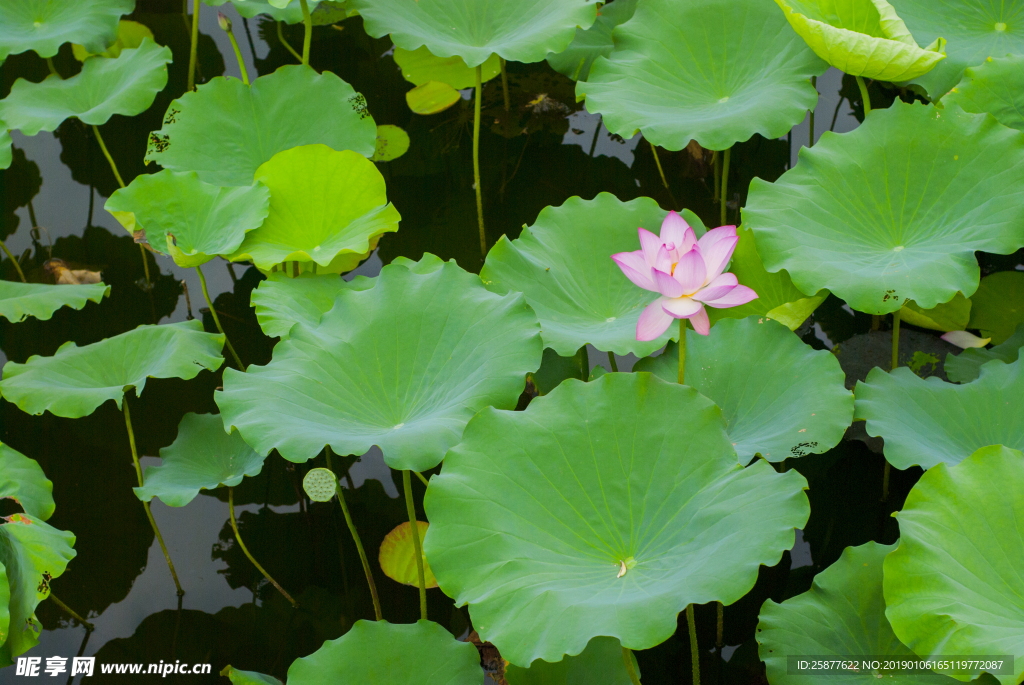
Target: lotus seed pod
{"x":320,"y":485}
{"x":223,"y":21}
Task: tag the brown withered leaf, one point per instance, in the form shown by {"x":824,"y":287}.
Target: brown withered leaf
{"x":63,"y":274}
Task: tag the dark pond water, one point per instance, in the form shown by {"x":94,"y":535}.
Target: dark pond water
{"x":546,"y":150}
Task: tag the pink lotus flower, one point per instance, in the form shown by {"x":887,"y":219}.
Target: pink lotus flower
{"x":686,"y":272}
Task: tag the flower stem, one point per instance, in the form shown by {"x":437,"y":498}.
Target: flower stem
{"x":286,"y":44}
{"x":725,"y":185}
{"x":417,"y":545}
{"x":145,"y":505}
{"x":238,"y":56}
{"x":657,"y":161}
{"x":504,"y":83}
{"x":216,"y":320}
{"x":17,"y":267}
{"x":694,"y":649}
{"x":895,"y":339}
{"x":476,"y":161}
{"x":611,"y":362}
{"x":864,"y":95}
{"x":627,"y":658}
{"x":70,"y":612}
{"x":814,"y":83}
{"x":307,"y":38}
{"x":245,"y":550}
{"x":682,"y":350}
{"x":193,"y":46}
{"x":359,"y":543}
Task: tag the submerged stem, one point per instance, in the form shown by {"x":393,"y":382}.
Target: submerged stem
{"x":682,"y":350}
{"x":725,"y":184}
{"x":307,"y":38}
{"x":611,"y":362}
{"x":864,"y":96}
{"x":694,"y":649}
{"x":286,"y":44}
{"x":17,"y":267}
{"x":145,"y":505}
{"x":359,"y":543}
{"x":657,"y":161}
{"x":814,"y":83}
{"x":476,"y":162}
{"x":627,"y":658}
{"x":504,"y":83}
{"x":193,"y":46}
{"x":70,"y":612}
{"x":417,"y":545}
{"x":245,"y":550}
{"x":216,"y":320}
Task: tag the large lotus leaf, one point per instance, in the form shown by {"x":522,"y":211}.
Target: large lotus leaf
{"x":926,"y":422}
{"x":894,"y":210}
{"x":32,"y":553}
{"x":291,"y":14}
{"x":843,"y":614}
{"x":419,"y":66}
{"x":998,"y":306}
{"x":23,"y":480}
{"x":129,"y":35}
{"x":328,"y":209}
{"x":715,"y":71}
{"x":76,"y":380}
{"x":18,"y":301}
{"x":602,"y":509}
{"x":403,"y":365}
{"x":564,"y":267}
{"x":422,"y":653}
{"x":995,"y":87}
{"x":202,"y":457}
{"x":45,"y":25}
{"x":599,"y":664}
{"x":521,"y":31}
{"x":780,"y":398}
{"x":126,"y":85}
{"x":954,"y":584}
{"x":589,"y":44}
{"x":966,"y":366}
{"x":974,"y":30}
{"x":191,"y":220}
{"x":225,"y":130}
{"x":861,"y":37}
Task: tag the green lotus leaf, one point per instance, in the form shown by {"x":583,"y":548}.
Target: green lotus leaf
{"x":589,"y":44}
{"x":779,"y":397}
{"x":421,"y":653}
{"x":668,"y":77}
{"x":202,"y":457}
{"x":522,"y":31}
{"x":75,"y":381}
{"x":18,"y":301}
{"x":431,"y":97}
{"x":974,"y":29}
{"x":861,"y":37}
{"x":994,"y":87}
{"x":966,"y":366}
{"x":597,"y":511}
{"x":942,"y":184}
{"x":843,"y":614}
{"x":948,"y":316}
{"x":291,"y":14}
{"x":600,"y":663}
{"x":563,"y":265}
{"x":330,"y":236}
{"x":225,"y":130}
{"x":5,"y":146}
{"x":32,"y":553}
{"x":191,"y":220}
{"x":397,"y":556}
{"x":392,"y":143}
{"x":997,"y":309}
{"x":23,"y":480}
{"x":105,"y":87}
{"x":419,"y":66}
{"x":239,"y":677}
{"x":5,"y":600}
{"x":927,"y":421}
{"x":954,"y":586}
{"x":44,"y":25}
{"x":403,"y":365}
{"x":129,"y":35}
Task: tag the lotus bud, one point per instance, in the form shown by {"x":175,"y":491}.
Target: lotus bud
{"x":223,"y":21}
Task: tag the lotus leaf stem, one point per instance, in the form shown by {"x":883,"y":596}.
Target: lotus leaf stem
{"x":17,"y":267}
{"x":504,"y":83}
{"x":885,"y":481}
{"x":657,"y":162}
{"x":120,"y":182}
{"x":584,"y":362}
{"x":814,"y":84}
{"x":307,"y":38}
{"x":682,"y":350}
{"x":725,"y":185}
{"x":694,"y":649}
{"x":627,"y":658}
{"x":216,"y":320}
{"x":245,"y":550}
{"x":238,"y":56}
{"x":193,"y":46}
{"x":359,"y":545}
{"x":422,"y":479}
{"x":53,"y":69}
{"x":716,"y":162}
{"x":280,"y":37}
{"x":611,"y":362}
{"x":417,"y":545}
{"x":70,"y":612}
{"x":476,"y":161}
{"x":864,"y":96}
{"x":597,"y":130}
{"x":895,"y":339}
{"x":145,"y":505}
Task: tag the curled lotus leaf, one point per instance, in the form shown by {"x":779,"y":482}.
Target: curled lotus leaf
{"x":562,"y":263}
{"x":397,"y":556}
{"x":403,"y":365}
{"x":521,"y":31}
{"x":598,"y":511}
{"x":948,"y":316}
{"x":926,"y":422}
{"x":421,"y":653}
{"x":18,"y":301}
{"x":954,"y":584}
{"x":202,"y":457}
{"x":997,"y":308}
{"x":75,"y":381}
{"x":23,"y":480}
{"x":126,"y":85}
{"x":861,"y":37}
{"x":328,"y":209}
{"x":995,"y":86}
{"x":289,"y":14}
{"x":420,"y":65}
{"x":966,"y":366}
{"x":182,"y":216}
{"x":943,"y":184}
{"x":601,"y":662}
{"x":842,"y":614}
{"x":714,"y":71}
{"x":225,"y":130}
{"x":44,"y":25}
{"x":129,"y":35}
{"x":320,"y":484}
{"x":589,"y":44}
{"x":779,"y":397}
